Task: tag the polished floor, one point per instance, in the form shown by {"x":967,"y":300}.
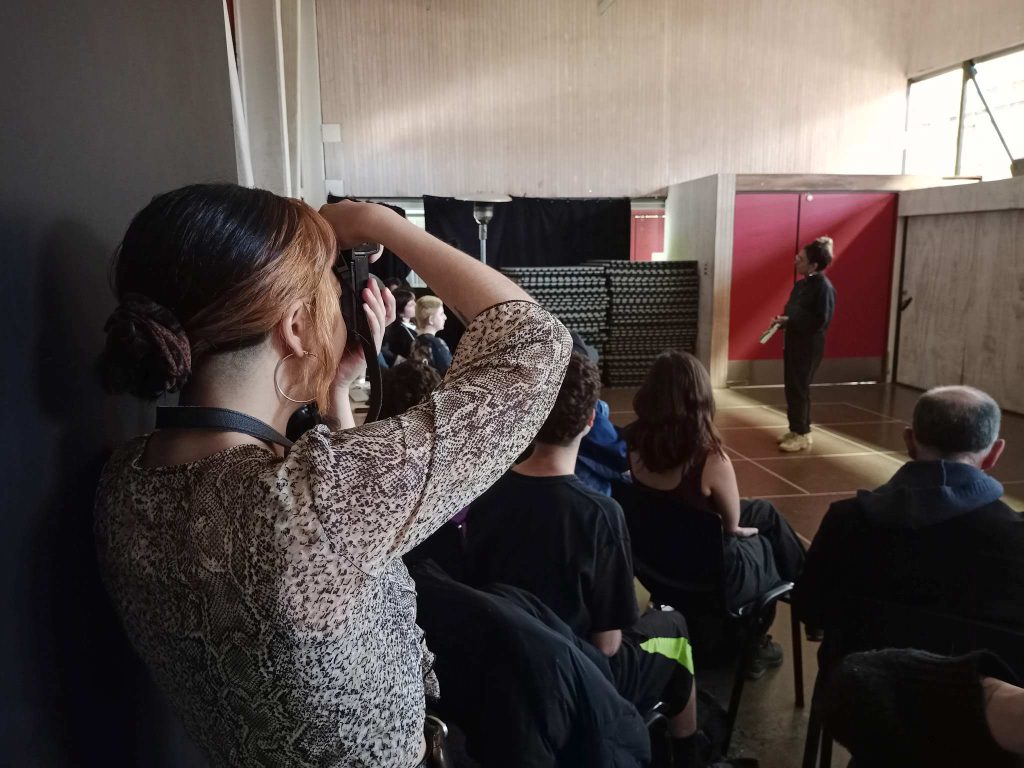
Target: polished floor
{"x":858,"y":443}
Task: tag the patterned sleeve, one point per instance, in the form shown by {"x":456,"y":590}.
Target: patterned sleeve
{"x":381,"y":489}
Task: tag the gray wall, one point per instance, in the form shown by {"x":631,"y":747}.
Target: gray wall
{"x":104,"y":104}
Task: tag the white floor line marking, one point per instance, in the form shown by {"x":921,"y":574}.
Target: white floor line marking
{"x":817,"y":424}
{"x":775,"y":474}
{"x":806,"y":455}
{"x":874,"y":413}
{"x":808,"y":495}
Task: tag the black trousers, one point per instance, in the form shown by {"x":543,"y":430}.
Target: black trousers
{"x":801,"y":356}
{"x":655,"y":662}
{"x":756,"y":564}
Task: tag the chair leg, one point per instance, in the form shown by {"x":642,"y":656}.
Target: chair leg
{"x":826,"y":749}
{"x":751,"y":636}
{"x":798,"y":658}
{"x":813,"y":739}
{"x":734,"y":701}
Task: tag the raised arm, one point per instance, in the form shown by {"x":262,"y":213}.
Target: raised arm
{"x":460,"y":281}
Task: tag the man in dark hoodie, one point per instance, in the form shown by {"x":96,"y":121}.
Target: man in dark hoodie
{"x":936,"y":536}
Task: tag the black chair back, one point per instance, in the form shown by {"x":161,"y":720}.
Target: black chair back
{"x":863,"y":624}
{"x":677,"y":549}
{"x":856,"y":624}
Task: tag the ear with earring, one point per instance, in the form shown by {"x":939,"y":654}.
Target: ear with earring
{"x":277,"y":385}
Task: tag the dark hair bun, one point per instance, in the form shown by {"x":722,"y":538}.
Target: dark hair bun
{"x":147,"y":351}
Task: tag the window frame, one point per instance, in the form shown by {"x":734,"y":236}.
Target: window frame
{"x":964,"y":67}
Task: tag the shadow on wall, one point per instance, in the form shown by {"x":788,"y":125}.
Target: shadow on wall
{"x":105,"y":710}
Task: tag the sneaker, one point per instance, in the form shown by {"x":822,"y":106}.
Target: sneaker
{"x":768,"y":655}
{"x":785,"y":437}
{"x":796,"y":443}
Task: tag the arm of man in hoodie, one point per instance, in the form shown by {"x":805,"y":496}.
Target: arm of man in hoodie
{"x":818,"y":584}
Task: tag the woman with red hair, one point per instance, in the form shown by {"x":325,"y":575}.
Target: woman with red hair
{"x":261,"y":581}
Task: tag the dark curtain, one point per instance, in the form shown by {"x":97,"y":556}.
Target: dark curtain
{"x":388,"y":265}
{"x":536,"y":232}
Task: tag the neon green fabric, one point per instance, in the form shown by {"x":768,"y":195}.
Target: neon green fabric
{"x":676,"y":648}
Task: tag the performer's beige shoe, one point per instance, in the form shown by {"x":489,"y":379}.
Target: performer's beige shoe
{"x":791,"y":435}
{"x":796,"y":443}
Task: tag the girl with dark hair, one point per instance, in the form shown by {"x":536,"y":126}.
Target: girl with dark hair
{"x":261,"y":581}
{"x":676,"y":448}
{"x":806,"y":318}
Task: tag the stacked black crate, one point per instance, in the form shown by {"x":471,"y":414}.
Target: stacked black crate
{"x":652,"y":308}
{"x":577,"y":295}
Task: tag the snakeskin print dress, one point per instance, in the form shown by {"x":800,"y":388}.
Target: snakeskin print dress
{"x":267,"y":596}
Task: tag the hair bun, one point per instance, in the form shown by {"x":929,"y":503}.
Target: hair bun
{"x":147,"y":351}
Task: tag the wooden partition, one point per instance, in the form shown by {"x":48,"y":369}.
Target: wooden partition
{"x":964,"y":276}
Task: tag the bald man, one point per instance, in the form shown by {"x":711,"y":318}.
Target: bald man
{"x":935,"y":536}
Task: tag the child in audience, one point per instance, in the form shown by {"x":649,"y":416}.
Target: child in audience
{"x":676,"y":448}
{"x":539,"y":528}
{"x":399,"y":336}
{"x":430,"y":319}
{"x":406,"y":385}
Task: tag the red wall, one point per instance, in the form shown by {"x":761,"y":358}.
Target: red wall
{"x":647,"y":234}
{"x":768,"y":230}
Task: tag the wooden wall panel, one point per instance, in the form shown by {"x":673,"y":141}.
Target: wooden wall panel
{"x":994,"y":323}
{"x":549,"y":97}
{"x":939,"y":267}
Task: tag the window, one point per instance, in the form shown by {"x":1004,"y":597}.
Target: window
{"x":992,"y":94}
{"x":933,"y":113}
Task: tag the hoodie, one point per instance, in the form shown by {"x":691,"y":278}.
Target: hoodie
{"x":935,"y":536}
{"x":924,"y":493}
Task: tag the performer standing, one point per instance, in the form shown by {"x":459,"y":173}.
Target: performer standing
{"x":807,"y":316}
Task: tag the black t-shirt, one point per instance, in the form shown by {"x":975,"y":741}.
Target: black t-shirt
{"x":559,"y":540}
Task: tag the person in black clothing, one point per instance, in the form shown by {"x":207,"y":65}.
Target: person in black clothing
{"x":899,"y":708}
{"x":539,"y":528}
{"x":399,"y":336}
{"x":430,"y":319}
{"x":806,"y":318}
{"x":519,"y":683}
{"x":936,"y":536}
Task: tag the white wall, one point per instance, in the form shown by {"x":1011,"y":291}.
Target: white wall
{"x":945,"y":33}
{"x":699,"y":227}
{"x":546,"y":97}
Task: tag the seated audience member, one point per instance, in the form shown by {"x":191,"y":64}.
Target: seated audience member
{"x":675,"y":448}
{"x":406,"y":385}
{"x":430,"y":319}
{"x":936,"y":535}
{"x":524,"y":689}
{"x":400,"y":335}
{"x":602,"y":455}
{"x":903,"y":708}
{"x":539,"y":528}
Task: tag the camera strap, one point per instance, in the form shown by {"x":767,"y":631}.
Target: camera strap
{"x":220,"y":419}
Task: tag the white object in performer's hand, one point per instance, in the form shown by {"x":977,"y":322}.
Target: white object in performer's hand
{"x":770,"y":331}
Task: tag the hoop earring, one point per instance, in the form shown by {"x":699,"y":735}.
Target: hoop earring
{"x":277,"y":386}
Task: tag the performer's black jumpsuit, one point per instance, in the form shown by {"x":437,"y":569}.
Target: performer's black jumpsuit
{"x":809,"y":309}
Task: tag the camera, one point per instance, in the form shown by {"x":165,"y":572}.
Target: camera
{"x":352,"y":269}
